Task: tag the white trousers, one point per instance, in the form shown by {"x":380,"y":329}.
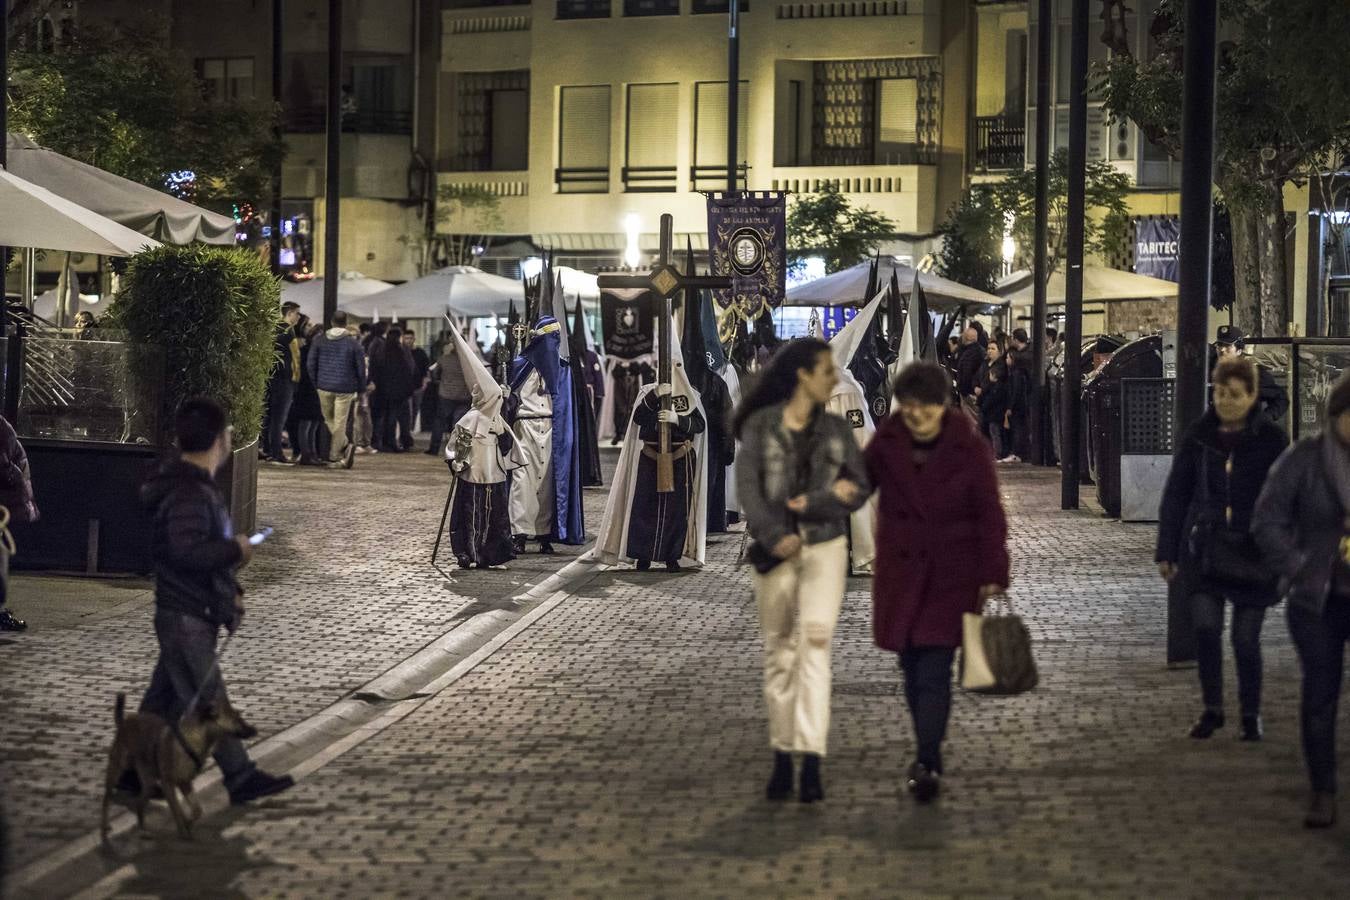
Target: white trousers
{"x":531,"y":499}
{"x":799,"y":603}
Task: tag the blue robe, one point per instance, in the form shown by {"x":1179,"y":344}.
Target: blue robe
{"x":541,"y":354}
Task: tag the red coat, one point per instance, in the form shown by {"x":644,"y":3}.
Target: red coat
{"x":941,"y":533}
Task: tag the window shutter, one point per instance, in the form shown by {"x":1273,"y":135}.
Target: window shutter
{"x":653,"y":110}
{"x":898,"y":111}
{"x":584,"y":127}
{"x":710,"y":140}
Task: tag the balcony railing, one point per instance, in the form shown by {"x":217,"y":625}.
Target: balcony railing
{"x":314,"y":119}
{"x":714,"y":178}
{"x":650,"y":179}
{"x":577,"y":180}
{"x":1000,"y":143}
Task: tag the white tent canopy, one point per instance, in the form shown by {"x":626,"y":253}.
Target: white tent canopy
{"x":1099,"y":283}
{"x":461,"y":291}
{"x":35,"y":217}
{"x":45,"y":304}
{"x":140,"y":208}
{"x":848,"y":286}
{"x":309,"y":294}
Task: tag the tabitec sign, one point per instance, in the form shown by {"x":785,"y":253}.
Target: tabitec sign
{"x":1156,"y":246}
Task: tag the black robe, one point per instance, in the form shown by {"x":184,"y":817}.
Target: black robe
{"x":480,"y":521}
{"x":716,"y":399}
{"x":659,"y":522}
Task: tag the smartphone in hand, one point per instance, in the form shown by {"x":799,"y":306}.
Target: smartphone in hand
{"x":260,"y":535}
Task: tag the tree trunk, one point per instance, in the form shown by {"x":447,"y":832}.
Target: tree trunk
{"x":1271,"y":232}
{"x":1246,"y":271}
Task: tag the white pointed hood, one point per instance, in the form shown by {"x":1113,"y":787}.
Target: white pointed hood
{"x":849,"y":403}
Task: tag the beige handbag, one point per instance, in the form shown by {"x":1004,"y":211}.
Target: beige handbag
{"x":996,"y":650}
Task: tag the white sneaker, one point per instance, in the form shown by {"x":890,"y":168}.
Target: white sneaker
{"x":1012,"y":458}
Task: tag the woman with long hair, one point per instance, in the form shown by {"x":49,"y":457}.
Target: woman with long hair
{"x":799,"y":475}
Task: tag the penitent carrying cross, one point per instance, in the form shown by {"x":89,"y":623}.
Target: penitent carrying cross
{"x":664,"y":281}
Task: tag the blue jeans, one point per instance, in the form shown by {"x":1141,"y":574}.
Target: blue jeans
{"x":280,"y":393}
{"x":1207,"y":617}
{"x":1321,"y":652}
{"x":187,"y":648}
{"x":928,"y":693}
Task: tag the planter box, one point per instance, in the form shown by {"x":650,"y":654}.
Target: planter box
{"x":89,"y":496}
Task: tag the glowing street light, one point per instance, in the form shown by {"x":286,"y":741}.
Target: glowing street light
{"x":632,"y":254}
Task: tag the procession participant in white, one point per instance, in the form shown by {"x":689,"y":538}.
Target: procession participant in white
{"x":481,"y":452}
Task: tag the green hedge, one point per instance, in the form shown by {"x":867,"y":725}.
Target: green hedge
{"x":214,"y":311}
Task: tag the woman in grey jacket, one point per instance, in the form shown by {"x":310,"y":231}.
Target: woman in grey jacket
{"x":1302,"y":526}
{"x":799,"y":476}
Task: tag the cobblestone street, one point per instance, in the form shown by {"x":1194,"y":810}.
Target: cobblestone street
{"x":615,"y":744}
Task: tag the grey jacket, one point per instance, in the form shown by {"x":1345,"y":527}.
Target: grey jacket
{"x":1297,"y":522}
{"x":765,"y":478}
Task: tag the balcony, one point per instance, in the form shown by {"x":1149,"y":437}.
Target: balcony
{"x":714,"y":178}
{"x":1000,"y":143}
{"x":650,"y":179}
{"x":907,"y":195}
{"x":580,"y":180}
{"x":314,"y":120}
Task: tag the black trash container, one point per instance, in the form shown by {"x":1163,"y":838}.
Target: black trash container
{"x":1093,"y":350}
{"x":1101,"y":402}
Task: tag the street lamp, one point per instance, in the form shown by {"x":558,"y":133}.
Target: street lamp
{"x":531,"y":266}
{"x":632,"y":254}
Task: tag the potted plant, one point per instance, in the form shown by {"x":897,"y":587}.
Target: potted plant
{"x":214,"y":311}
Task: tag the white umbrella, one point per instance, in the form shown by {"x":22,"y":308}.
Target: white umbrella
{"x":309,"y":294}
{"x":45,"y":303}
{"x":458,"y":290}
{"x":847,"y":287}
{"x":140,"y":208}
{"x":1099,"y":283}
{"x":35,"y":217}
{"x":576,"y":283}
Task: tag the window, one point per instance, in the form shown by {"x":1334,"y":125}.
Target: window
{"x":651,"y":7}
{"x":897,"y":121}
{"x":509,"y":130}
{"x":1097,"y":53}
{"x":792,"y":145}
{"x":710,"y":132}
{"x":227,"y":79}
{"x":583,"y":140}
{"x":717,"y":6}
{"x":650,"y":157}
{"x":1015,"y":75}
{"x":583,"y":9}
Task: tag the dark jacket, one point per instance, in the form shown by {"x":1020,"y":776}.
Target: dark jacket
{"x":16,"y":486}
{"x":766,"y":479}
{"x":968,"y":361}
{"x":306,"y":403}
{"x":941,"y":533}
{"x":421,"y":365}
{"x":336,"y":363}
{"x":1298,"y":523}
{"x":1201,"y":489}
{"x":994,"y":397}
{"x":393,"y":372}
{"x":286,"y":345}
{"x":194,"y":551}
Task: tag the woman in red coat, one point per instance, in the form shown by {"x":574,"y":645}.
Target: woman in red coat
{"x":940,"y":516}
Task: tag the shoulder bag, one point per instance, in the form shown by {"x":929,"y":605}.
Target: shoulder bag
{"x":996,"y":651}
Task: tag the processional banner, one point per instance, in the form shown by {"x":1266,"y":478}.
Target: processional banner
{"x":629,"y":325}
{"x":747,"y":240}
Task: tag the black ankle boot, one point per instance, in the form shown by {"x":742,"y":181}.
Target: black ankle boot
{"x":643,"y":565}
{"x":546,"y":548}
{"x":811,"y":789}
{"x":673,"y":566}
{"x":1209,"y":722}
{"x":1251,"y":729}
{"x":518,"y":544}
{"x":780,"y":783}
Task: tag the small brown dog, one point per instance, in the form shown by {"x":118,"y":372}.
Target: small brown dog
{"x":166,"y":758}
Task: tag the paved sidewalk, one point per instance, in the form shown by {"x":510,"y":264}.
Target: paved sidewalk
{"x":342,"y":591}
{"x":617,"y":748}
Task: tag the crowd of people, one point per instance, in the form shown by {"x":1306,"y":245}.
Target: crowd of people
{"x":995,"y":380}
{"x":357,"y":389}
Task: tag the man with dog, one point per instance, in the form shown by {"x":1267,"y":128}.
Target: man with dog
{"x":196,"y":556}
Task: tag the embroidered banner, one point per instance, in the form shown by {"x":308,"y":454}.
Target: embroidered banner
{"x":629,"y":325}
{"x":747,"y":239}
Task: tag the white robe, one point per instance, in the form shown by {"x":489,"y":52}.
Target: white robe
{"x":733,"y":381}
{"x":612,"y":540}
{"x":531,"y":505}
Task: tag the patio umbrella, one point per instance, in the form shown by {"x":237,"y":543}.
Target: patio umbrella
{"x":35,"y":217}
{"x":849,"y":287}
{"x":140,"y":208}
{"x":458,"y":290}
{"x":1099,"y":283}
{"x":352,"y":286}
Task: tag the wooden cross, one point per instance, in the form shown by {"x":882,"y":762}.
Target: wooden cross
{"x":665,"y":281}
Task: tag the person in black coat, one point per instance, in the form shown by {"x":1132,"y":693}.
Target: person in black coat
{"x":1301,"y":524}
{"x":306,"y":410}
{"x":1018,"y":413}
{"x":394,"y":374}
{"x":1217,"y":474}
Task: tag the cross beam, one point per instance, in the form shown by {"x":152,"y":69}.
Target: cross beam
{"x":665,"y":280}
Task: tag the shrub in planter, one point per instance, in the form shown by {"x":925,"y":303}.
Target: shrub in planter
{"x":214,"y":311}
